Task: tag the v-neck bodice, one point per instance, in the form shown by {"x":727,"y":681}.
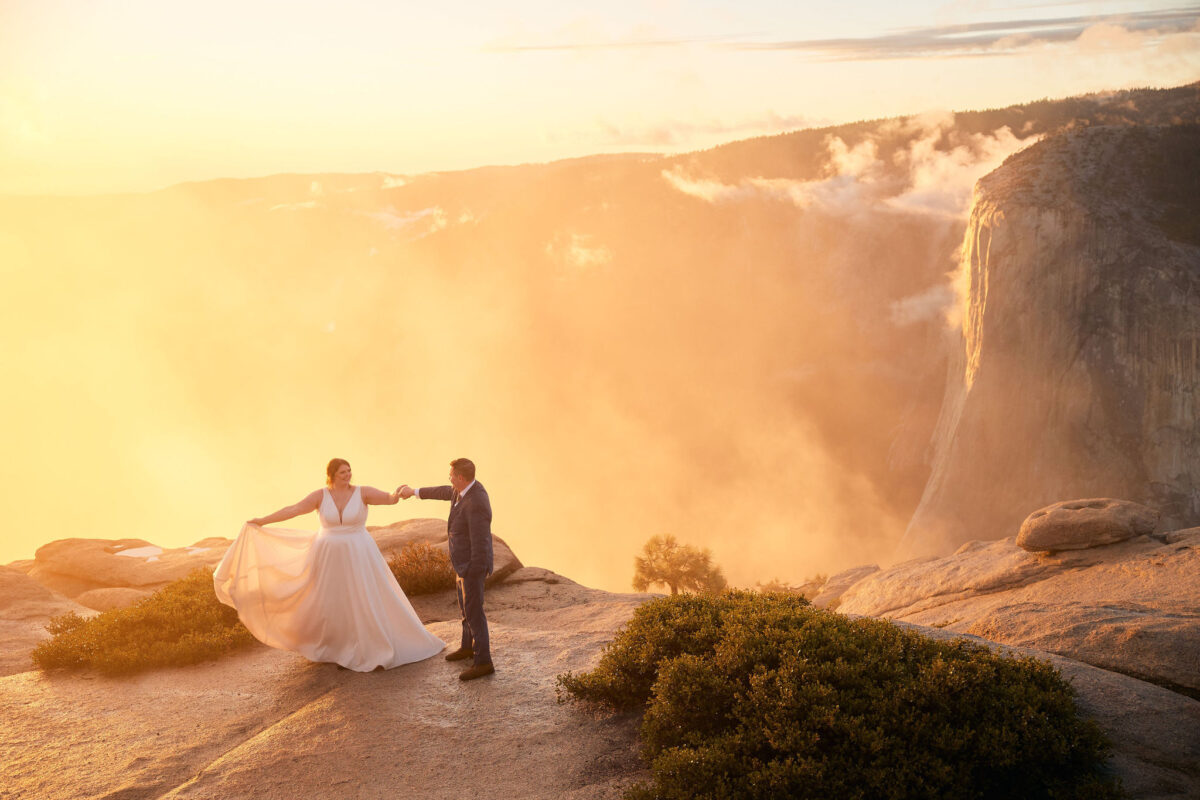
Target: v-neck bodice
{"x":351,"y":518}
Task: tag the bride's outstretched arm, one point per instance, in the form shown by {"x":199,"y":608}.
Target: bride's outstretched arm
{"x":306,"y":505}
{"x":377,"y":497}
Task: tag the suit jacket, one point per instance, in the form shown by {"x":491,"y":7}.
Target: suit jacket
{"x":469,"y":528}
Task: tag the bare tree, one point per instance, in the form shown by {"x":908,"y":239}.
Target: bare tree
{"x":679,"y":567}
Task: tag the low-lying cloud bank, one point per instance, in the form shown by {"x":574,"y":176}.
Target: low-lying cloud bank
{"x":934,"y":179}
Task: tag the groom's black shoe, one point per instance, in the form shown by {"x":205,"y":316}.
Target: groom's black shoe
{"x":460,"y":654}
{"x":477,"y":671}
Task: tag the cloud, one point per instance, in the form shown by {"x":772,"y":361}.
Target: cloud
{"x":710,"y":191}
{"x":599,"y":43}
{"x":577,"y":251}
{"x":940,"y":182}
{"x":840,"y":192}
{"x":295,"y":206}
{"x":417,"y":224}
{"x":973,"y":39}
{"x":933,"y":176}
{"x":996,"y":38}
{"x":854,"y":161}
{"x":936,"y":301}
{"x":393,"y":182}
{"x":933,"y":180}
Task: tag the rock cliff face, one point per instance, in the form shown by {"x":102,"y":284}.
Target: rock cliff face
{"x":1079,"y":362}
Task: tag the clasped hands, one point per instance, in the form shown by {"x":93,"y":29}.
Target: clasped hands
{"x":405,"y":491}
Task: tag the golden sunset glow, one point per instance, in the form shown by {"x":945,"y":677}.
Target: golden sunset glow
{"x":180,"y":359}
{"x":137,"y":95}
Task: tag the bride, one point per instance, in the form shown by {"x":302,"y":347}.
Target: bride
{"x":330,"y":595}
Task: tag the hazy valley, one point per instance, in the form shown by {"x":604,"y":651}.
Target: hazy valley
{"x":747,"y":347}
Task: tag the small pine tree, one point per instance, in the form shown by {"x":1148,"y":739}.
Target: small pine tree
{"x":679,"y":567}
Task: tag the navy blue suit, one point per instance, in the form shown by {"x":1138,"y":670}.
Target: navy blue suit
{"x":469,"y":530}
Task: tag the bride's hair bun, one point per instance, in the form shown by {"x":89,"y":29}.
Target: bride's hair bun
{"x":331,"y":469}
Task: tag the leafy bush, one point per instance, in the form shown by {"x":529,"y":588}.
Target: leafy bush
{"x":182,"y":623}
{"x":751,"y":695}
{"x":422,"y":569}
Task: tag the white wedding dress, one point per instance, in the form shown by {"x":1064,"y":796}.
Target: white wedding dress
{"x":328,"y":596}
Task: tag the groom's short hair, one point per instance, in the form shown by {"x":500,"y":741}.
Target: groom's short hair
{"x":464,"y":467}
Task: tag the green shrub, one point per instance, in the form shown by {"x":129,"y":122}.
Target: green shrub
{"x":182,"y":623}
{"x":750,"y":695}
{"x":422,"y":569}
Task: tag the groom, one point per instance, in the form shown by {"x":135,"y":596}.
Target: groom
{"x":469,"y":530}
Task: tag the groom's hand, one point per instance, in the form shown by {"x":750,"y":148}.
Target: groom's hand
{"x":406,"y":491}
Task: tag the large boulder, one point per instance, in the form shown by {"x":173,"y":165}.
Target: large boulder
{"x":393,"y":538}
{"x":1131,"y":607}
{"x":89,"y":569}
{"x":831,"y":592}
{"x":74,"y":566}
{"x":25,"y":607}
{"x":977,"y":568}
{"x":1080,"y":524}
{"x":1171,"y":537}
{"x":23,"y":598}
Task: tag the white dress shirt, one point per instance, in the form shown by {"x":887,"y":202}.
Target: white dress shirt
{"x":466,"y":489}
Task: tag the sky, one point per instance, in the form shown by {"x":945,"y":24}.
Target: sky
{"x":101,"y":96}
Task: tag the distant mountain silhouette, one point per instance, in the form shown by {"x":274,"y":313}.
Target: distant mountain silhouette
{"x":751,"y":335}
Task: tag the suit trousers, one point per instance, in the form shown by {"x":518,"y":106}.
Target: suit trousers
{"x":474,"y":623}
